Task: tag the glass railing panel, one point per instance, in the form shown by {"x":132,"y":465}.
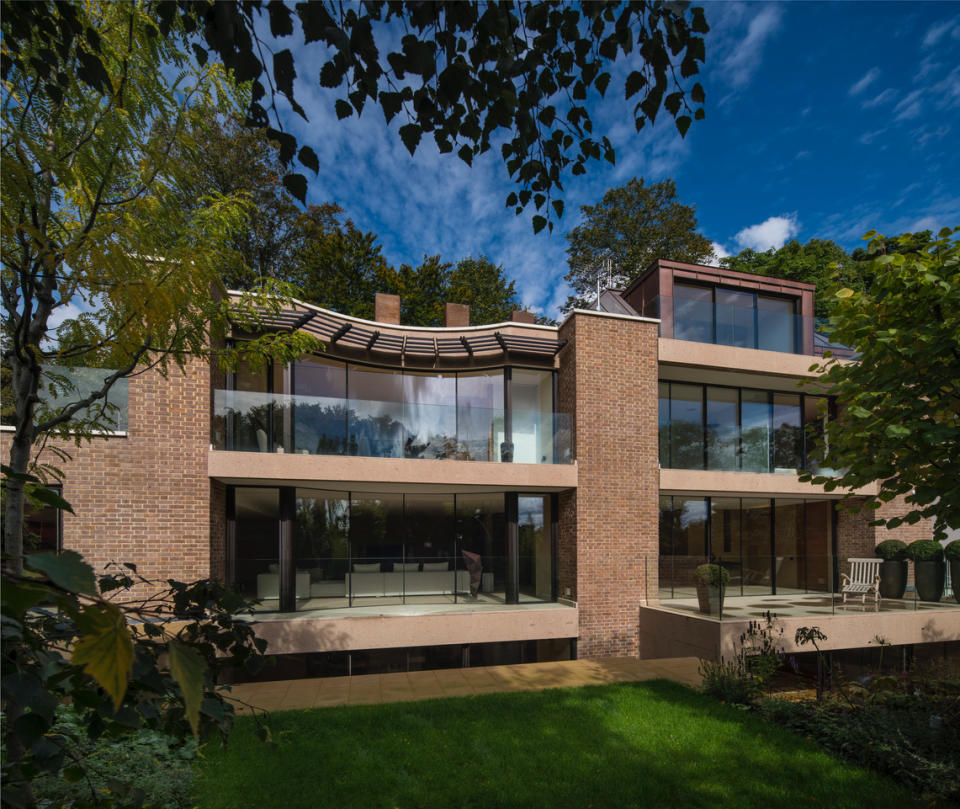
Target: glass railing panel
{"x":63,"y":386}
{"x":246,"y":421}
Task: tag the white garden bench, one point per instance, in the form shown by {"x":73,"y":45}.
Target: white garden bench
{"x":864,"y":579}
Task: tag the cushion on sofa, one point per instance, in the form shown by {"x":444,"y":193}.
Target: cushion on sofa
{"x":435,"y":566}
{"x":371,"y":567}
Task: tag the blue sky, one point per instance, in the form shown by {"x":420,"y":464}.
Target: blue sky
{"x":823,"y":120}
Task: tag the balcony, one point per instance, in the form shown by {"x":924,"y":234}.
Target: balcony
{"x":245,"y":421}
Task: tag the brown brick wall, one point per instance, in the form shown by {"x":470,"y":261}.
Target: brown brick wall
{"x":146,"y":498}
{"x":855,"y":537}
{"x":608,"y":527}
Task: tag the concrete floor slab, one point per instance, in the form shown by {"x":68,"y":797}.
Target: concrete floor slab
{"x":373,"y":689}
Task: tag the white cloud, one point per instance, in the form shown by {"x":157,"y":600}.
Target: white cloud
{"x":865,"y":81}
{"x":719,"y":251}
{"x":772,"y":233}
{"x":881,"y":98}
{"x":743,"y":53}
{"x":909,"y":106}
{"x":936,"y":32}
{"x":869,"y":137}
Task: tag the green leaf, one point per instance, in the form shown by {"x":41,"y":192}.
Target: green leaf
{"x":105,"y":650}
{"x":49,"y":497}
{"x":18,"y":597}
{"x":187,"y":668}
{"x":309,"y":158}
{"x":343,"y":108}
{"x":896,"y":431}
{"x":539,"y":223}
{"x":845,"y":293}
{"x":67,"y":570}
{"x":410,"y":135}
{"x":296,"y":184}
{"x":635,"y":81}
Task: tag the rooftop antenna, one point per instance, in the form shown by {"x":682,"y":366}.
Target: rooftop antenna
{"x":608,"y":267}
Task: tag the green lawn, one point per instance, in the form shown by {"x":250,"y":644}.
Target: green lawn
{"x":654,"y":744}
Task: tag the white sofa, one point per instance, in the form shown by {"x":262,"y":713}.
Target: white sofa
{"x":268,"y":585}
{"x":396,"y":583}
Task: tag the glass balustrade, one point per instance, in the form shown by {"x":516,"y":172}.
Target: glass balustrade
{"x":248,"y":421}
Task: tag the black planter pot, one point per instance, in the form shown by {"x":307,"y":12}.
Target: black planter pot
{"x":929,"y":577}
{"x":955,"y":578}
{"x":710,"y":598}
{"x":893,"y":579}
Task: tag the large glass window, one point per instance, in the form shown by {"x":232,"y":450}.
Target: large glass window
{"x":755,"y":430}
{"x":787,"y":432}
{"x":430,"y":415}
{"x":766,"y":546}
{"x":481,"y":530}
{"x":734,"y":317}
{"x":536,"y":547}
{"x":532,"y":403}
{"x":776,"y":324}
{"x":479,"y":415}
{"x":686,"y":426}
{"x":258,"y":543}
{"x":321,"y":542}
{"x":723,"y":431}
{"x":693,"y":313}
{"x":320,"y":416}
{"x":376,"y":412}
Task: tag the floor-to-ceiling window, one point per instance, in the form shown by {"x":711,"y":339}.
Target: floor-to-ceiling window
{"x":766,"y":545}
{"x":351,"y":549}
{"x":735,"y":317}
{"x":738,"y":429}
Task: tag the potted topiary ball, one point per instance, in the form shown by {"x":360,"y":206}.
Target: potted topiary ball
{"x":712,"y":583}
{"x":929,"y":570}
{"x":952,"y":552}
{"x":893,"y":568}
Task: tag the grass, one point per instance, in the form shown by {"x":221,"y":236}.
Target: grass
{"x":653,"y":744}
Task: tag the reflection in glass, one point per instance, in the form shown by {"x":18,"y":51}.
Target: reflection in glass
{"x":320,"y":414}
{"x":686,"y":426}
{"x":536,"y":556}
{"x":755,"y":430}
{"x":735,"y":316}
{"x":787,"y":437}
{"x":755,"y":517}
{"x":481,"y":529}
{"x":376,"y":412}
{"x":693,"y":313}
{"x":256,"y":426}
{"x":479,"y":415}
{"x":788,"y":532}
{"x":321,"y":541}
{"x":725,"y":548}
{"x":723,"y":431}
{"x":258,"y":543}
{"x":817,"y":546}
{"x":815,"y":412}
{"x":776,"y":327}
{"x":532,"y":402}
{"x":663,"y":423}
{"x":429,"y":415}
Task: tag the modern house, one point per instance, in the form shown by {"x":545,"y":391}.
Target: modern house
{"x":468,"y":495}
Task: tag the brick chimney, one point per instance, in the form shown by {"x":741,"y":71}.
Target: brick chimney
{"x":387,"y":308}
{"x":523,"y":317}
{"x":456,"y":314}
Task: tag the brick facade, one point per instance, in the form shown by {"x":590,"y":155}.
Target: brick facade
{"x":608,"y":526}
{"x":856,"y":537}
{"x":146,"y":497}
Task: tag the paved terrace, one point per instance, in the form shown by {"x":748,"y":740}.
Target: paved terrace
{"x":367,"y":689}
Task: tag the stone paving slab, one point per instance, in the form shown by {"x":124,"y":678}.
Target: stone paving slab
{"x":374,"y":689}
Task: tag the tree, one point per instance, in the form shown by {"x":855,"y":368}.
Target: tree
{"x":94,"y":229}
{"x":151,"y":663}
{"x":423,"y":291}
{"x":484,"y":286}
{"x":900,"y":402}
{"x":624,"y":233}
{"x":465,"y":73}
{"x":229,"y":159}
{"x":336,"y":265}
{"x":819,"y":261}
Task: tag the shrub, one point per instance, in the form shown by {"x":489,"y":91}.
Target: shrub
{"x":712,"y":575}
{"x":891,"y":550}
{"x":952,"y":551}
{"x":757,"y":658}
{"x":925,"y":550}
